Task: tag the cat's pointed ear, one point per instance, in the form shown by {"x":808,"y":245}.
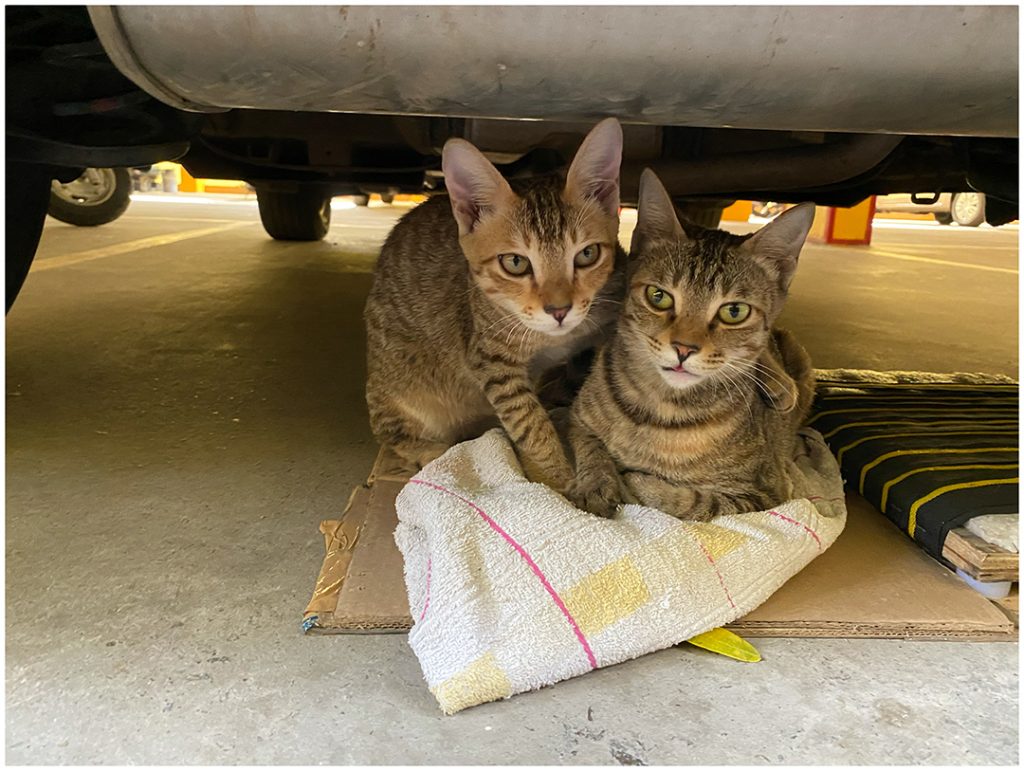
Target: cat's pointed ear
{"x":655,"y":214}
{"x":778,"y":243}
{"x":594,"y":172}
{"x":474,"y":186}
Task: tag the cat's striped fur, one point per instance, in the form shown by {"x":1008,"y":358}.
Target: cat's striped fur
{"x":681,"y":411}
{"x":456,"y":343}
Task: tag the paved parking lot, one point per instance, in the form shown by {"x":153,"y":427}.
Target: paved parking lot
{"x":185,"y":404}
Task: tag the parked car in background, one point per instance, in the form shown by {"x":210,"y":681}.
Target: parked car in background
{"x":95,"y":197}
{"x":966,"y":209}
{"x":725,"y":103}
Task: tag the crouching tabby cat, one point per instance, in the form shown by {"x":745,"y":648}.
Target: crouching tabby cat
{"x":477,"y":293}
{"x":694,"y":404}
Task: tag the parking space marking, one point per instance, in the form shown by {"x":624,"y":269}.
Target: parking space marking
{"x":933,"y":261}
{"x":961,"y":247}
{"x":74,"y":258}
{"x":384,"y":227}
{"x":176,"y":219}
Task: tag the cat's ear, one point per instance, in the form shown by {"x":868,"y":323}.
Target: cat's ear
{"x":474,"y":186}
{"x":655,"y":214}
{"x":779,"y":242}
{"x":594,"y":172}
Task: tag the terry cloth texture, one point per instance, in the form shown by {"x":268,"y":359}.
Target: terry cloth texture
{"x":511,"y":588}
{"x":930,"y":456}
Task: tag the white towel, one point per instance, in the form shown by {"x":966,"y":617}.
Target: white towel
{"x":511,"y":588}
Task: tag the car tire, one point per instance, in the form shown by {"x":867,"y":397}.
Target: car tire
{"x":25,"y":211}
{"x":968,"y":209}
{"x":388,"y":198}
{"x":361,"y":200}
{"x":301,"y":216}
{"x":943,"y":218}
{"x":96,"y":197}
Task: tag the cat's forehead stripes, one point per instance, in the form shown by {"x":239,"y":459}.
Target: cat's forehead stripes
{"x":541,"y":217}
{"x":707,"y":259}
{"x":705,"y":267}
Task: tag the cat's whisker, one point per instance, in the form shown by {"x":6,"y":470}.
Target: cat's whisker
{"x":727,"y":378}
{"x":522,"y":340}
{"x":761,"y":368}
{"x":752,"y":378}
{"x":767,"y":374}
{"x":515,"y":326}
{"x":503,"y":318}
{"x":766,"y":371}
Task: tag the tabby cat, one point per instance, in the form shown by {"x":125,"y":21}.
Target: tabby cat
{"x":476,"y":294}
{"x":693,"y":406}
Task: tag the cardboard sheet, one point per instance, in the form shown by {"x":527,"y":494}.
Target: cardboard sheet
{"x":873,"y":582}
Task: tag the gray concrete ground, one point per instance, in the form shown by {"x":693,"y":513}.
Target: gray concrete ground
{"x":182,"y":414}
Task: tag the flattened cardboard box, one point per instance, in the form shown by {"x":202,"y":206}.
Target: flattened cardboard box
{"x":873,"y":582}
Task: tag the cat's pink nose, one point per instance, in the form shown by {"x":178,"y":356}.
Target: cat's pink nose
{"x":559,"y":312}
{"x":684,"y":350}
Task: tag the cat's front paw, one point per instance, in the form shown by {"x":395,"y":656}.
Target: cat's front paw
{"x":601,"y":500}
{"x":556,"y":476}
{"x":657,"y":494}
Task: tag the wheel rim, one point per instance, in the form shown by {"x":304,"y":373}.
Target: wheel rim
{"x":325,"y":213}
{"x":966,"y":207}
{"x":94,"y":187}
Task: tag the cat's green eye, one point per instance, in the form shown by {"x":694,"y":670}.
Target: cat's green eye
{"x":659,"y":298}
{"x":588,"y":256}
{"x":514,"y":264}
{"x":734,"y":313}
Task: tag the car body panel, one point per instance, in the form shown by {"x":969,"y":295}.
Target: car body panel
{"x":869,"y":69}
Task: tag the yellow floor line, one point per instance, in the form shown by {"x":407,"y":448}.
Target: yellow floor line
{"x":933,"y":261}
{"x":130,"y":246}
{"x":131,"y":217}
{"x":959,"y":247}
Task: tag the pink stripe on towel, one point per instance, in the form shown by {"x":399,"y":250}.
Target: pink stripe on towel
{"x":788,"y":519}
{"x":711,"y":561}
{"x":522,"y":553}
{"x":426,"y":603}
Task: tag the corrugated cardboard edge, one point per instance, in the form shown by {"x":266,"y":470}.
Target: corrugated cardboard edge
{"x":340,"y":539}
{"x":1010,"y":605}
{"x":364,"y":503}
{"x":996,"y":628}
{"x":846,"y":630}
{"x":388,"y":467}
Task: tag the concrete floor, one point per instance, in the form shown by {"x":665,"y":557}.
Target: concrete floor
{"x":181,"y":415}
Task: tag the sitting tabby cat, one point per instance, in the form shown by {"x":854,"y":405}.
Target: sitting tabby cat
{"x":694,"y":404}
{"x":476,"y":294}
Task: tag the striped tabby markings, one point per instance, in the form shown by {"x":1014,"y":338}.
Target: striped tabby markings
{"x":912,"y":517}
{"x":972,"y":467}
{"x":943,"y":451}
